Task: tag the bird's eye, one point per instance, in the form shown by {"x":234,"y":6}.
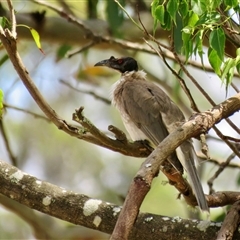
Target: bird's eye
{"x":120,"y":61}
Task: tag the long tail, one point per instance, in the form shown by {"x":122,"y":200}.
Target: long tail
{"x":187,"y":160}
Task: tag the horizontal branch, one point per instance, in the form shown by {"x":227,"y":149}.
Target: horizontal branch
{"x":92,"y":213}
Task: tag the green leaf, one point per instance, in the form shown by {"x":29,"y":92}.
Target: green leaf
{"x":155,"y":22}
{"x":196,"y":7}
{"x":193,"y":19}
{"x":217,"y":42}
{"x":238,"y":52}
{"x":172,"y":7}
{"x":187,"y":48}
{"x":215,"y":61}
{"x":1,"y":103}
{"x":183,"y":8}
{"x":4,"y":22}
{"x":199,"y":45}
{"x":229,"y":77}
{"x":231,"y":3}
{"x":208,"y":18}
{"x":237,"y":8}
{"x":228,"y":69}
{"x":62,"y":50}
{"x":35,"y":35}
{"x":154,"y":5}
{"x":167,"y":25}
{"x":214,"y":4}
{"x":238,"y":68}
{"x":177,"y":34}
{"x":159,"y":13}
{"x":238,"y":60}
{"x":36,"y":38}
{"x":115,"y":16}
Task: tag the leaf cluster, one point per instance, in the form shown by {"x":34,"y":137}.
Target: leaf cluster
{"x":199,"y":21}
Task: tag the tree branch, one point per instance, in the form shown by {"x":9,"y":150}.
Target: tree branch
{"x":36,"y":115}
{"x":230,"y":223}
{"x":96,"y":214}
{"x":222,"y":166}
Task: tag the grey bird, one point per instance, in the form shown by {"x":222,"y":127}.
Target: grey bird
{"x":148,"y":113}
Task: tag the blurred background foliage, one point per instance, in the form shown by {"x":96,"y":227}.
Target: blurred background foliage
{"x":42,"y":150}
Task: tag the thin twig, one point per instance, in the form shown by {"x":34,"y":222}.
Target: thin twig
{"x":82,"y":49}
{"x":36,"y":115}
{"x":232,"y":146}
{"x":217,"y":162}
{"x":232,"y":139}
{"x":222,"y":166}
{"x":7,"y":144}
{"x":119,"y":4}
{"x":105,"y":100}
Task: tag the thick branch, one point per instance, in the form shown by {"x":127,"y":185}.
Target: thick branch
{"x":230,"y":223}
{"x":95,"y":214}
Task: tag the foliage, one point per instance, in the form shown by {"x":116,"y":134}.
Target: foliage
{"x":200,"y":20}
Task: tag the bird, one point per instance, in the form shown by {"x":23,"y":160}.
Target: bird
{"x":149,"y":114}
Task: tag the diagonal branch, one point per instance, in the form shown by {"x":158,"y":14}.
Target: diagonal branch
{"x":200,"y":123}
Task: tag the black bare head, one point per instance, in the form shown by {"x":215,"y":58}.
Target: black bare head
{"x":125,"y":64}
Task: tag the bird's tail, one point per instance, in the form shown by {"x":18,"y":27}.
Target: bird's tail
{"x":187,"y":160}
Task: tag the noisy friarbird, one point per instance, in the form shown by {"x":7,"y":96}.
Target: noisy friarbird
{"x":148,"y":113}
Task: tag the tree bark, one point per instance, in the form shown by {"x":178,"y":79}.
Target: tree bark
{"x":96,"y":214}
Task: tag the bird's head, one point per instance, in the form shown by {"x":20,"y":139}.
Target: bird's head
{"x":125,"y":64}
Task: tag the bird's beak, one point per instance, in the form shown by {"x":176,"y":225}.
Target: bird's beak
{"x":103,"y":63}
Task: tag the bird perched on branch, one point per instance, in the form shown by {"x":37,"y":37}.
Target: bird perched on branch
{"x":148,"y":113}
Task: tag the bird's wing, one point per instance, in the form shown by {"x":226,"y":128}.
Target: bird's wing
{"x":150,"y":109}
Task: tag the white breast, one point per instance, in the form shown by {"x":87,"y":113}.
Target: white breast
{"x":134,"y":132}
